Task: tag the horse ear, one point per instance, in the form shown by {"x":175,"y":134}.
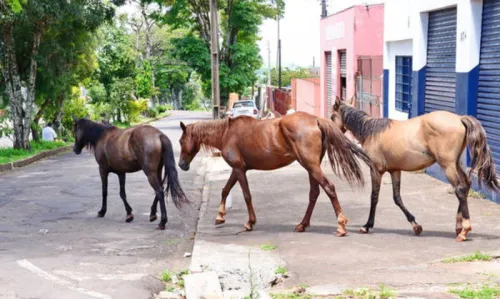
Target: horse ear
{"x":183,"y":127}
{"x":336,"y":106}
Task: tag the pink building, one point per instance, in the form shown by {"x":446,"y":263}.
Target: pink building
{"x":351,"y":57}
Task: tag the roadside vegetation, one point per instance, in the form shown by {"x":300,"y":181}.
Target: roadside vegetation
{"x":473,"y":257}
{"x":8,"y":155}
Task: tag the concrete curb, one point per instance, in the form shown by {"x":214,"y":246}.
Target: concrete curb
{"x":21,"y":163}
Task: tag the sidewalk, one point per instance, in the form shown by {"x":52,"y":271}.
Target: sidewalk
{"x":389,"y":255}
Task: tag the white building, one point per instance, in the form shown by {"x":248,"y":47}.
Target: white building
{"x":444,"y":55}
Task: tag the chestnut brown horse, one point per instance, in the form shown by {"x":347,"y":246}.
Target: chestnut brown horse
{"x":129,"y":150}
{"x":246,"y":143}
{"x":415,"y":144}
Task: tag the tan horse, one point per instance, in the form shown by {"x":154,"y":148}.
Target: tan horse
{"x":415,"y":144}
{"x":247,"y":143}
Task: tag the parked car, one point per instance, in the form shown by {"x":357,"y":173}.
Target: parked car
{"x":244,"y":108}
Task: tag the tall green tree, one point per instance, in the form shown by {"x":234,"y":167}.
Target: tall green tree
{"x":24,"y":26}
{"x":239,"y":26}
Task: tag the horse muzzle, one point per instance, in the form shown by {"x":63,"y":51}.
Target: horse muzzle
{"x":77,"y":151}
{"x":183,"y":165}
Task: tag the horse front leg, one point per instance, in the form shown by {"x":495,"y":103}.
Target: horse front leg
{"x":376,"y":181}
{"x":242,"y":178}
{"x":225,"y":192}
{"x":123,"y":195}
{"x":396,"y":190}
{"x":104,"y":172}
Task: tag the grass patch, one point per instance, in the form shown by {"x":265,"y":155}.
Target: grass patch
{"x":365,"y":293}
{"x":281,"y":270}
{"x":476,"y":256}
{"x":483,"y":292}
{"x":12,"y":155}
{"x":166,"y":276}
{"x":290,"y":296}
{"x":268,"y":247}
{"x":476,"y":194}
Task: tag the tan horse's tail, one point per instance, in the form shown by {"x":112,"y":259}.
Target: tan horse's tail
{"x":342,"y":152}
{"x":173,"y":184}
{"x":482,"y":161}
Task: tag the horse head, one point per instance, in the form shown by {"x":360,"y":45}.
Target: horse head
{"x":190,"y":146}
{"x":337,"y":115}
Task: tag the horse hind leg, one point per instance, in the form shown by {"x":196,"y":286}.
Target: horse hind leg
{"x":461,"y":183}
{"x":396,"y":190}
{"x":155,"y":183}
{"x":242,"y":178}
{"x":313,"y":196}
{"x":154,"y":206}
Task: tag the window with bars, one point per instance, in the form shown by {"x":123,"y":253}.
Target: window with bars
{"x":403,"y":83}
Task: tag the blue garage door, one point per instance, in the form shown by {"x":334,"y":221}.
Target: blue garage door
{"x":488,"y":100}
{"x":440,"y":75}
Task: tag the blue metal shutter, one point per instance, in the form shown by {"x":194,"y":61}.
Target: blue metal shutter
{"x":329,"y":83}
{"x":440,"y":75}
{"x":488,"y":97}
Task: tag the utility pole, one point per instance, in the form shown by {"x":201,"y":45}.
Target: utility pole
{"x":268,"y":63}
{"x":279,"y":53}
{"x":324,"y":12}
{"x":214,"y":30}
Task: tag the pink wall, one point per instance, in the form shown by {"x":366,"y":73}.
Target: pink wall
{"x":362,"y":35}
{"x":307,"y":95}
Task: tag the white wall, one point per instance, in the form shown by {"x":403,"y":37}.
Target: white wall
{"x":397,"y":20}
{"x":394,"y":49}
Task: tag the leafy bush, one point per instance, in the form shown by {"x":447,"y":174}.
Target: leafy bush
{"x":163,"y":108}
{"x":74,"y":107}
{"x":100,"y":110}
{"x":136,"y":108}
{"x":151,"y":112}
{"x":5,"y":130}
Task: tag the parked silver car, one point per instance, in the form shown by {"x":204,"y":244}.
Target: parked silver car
{"x":244,"y":108}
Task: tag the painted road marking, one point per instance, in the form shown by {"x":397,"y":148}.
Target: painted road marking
{"x":34,"y":269}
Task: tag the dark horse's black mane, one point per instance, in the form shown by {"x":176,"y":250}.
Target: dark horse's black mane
{"x":361,"y":124}
{"x":92,"y":132}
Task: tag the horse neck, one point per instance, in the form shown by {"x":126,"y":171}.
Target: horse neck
{"x":94,"y":132}
{"x":211,"y":133}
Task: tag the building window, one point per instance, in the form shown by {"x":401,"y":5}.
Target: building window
{"x":403,"y":82}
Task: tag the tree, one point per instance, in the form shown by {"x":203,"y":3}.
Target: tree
{"x":24,"y":25}
{"x":239,"y":53}
{"x":288,"y":74}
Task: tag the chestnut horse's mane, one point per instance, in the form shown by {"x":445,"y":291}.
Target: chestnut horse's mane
{"x":211,"y":133}
{"x":361,"y":124}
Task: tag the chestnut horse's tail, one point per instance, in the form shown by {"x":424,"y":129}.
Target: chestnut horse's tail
{"x":342,"y":152}
{"x":482,"y":161}
{"x":173,"y":184}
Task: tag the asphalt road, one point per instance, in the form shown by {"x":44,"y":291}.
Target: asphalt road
{"x":52,"y":245}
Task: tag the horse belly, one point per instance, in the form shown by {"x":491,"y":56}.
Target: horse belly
{"x":411,"y":161}
{"x":269,"y":161}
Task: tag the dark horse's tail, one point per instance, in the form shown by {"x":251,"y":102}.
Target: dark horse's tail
{"x":342,"y":152}
{"x":482,"y":161}
{"x":173,"y":184}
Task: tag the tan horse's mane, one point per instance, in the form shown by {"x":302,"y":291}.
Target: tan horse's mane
{"x":361,"y":124}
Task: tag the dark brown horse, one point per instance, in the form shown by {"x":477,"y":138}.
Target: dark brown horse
{"x":129,"y":150}
{"x":415,"y":144}
{"x":246,"y":143}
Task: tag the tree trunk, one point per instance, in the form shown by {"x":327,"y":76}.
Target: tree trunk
{"x":58,"y":116}
{"x":13,"y":87}
{"x":34,"y":124}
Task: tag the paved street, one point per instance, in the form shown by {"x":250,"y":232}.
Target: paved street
{"x":52,"y":245}
{"x":391,"y":254}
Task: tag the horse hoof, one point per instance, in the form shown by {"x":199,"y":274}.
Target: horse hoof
{"x":152,"y":218}
{"x":300,"y":228}
{"x":461,"y":238}
{"x":417,"y":229}
{"x":160,"y":227}
{"x":129,"y":218}
{"x":458,"y":231}
{"x":363,"y":230}
{"x":340,"y":234}
{"x":248,"y":227}
{"x":219,"y":221}
{"x":101,"y":214}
